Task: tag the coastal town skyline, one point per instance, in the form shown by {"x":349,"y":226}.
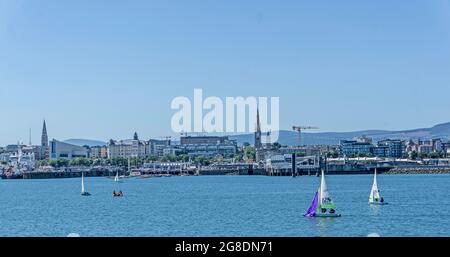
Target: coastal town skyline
{"x":289,"y":136}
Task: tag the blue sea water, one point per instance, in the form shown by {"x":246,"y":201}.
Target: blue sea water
{"x":419,"y":205}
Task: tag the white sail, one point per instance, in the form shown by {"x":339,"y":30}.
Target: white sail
{"x":116,"y":178}
{"x":82,"y":183}
{"x":374,"y":193}
{"x":324,"y":196}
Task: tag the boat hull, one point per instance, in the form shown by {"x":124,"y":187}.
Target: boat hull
{"x":85,"y":194}
{"x":377,"y":203}
{"x":327,"y":215}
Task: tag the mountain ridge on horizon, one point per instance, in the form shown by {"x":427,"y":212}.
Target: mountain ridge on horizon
{"x":287,"y":137}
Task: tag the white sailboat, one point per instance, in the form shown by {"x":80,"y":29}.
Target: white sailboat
{"x":375,"y":196}
{"x":83,"y":191}
{"x":117,"y":193}
{"x":116,"y":178}
{"x":322,"y":205}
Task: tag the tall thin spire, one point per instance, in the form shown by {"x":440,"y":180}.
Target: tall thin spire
{"x":258,"y":143}
{"x":44,"y":142}
{"x":258,"y":123}
{"x":29,"y":139}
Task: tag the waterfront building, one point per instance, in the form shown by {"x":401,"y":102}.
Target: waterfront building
{"x":158,"y":147}
{"x":171,"y":150}
{"x":281,"y":164}
{"x":127,"y":148}
{"x":34,"y":149}
{"x":446,"y":147}
{"x":202,"y":140}
{"x":355,"y":147}
{"x":391,"y":148}
{"x":381,"y":151}
{"x":98,"y":152}
{"x":411,"y":146}
{"x":12,"y":148}
{"x":61,"y":150}
{"x":206,"y":146}
{"x":22,"y":160}
{"x":4,"y":157}
{"x":426,"y":149}
{"x":437,"y":145}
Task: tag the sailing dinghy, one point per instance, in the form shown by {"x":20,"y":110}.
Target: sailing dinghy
{"x":117,"y":192}
{"x":375,"y":196}
{"x":322,"y":205}
{"x":83,"y":191}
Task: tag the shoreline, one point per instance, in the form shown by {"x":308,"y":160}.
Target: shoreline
{"x":77,"y":174}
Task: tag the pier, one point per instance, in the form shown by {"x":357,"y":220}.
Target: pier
{"x":72,"y":173}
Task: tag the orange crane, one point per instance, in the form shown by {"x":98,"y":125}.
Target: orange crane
{"x":299,"y":130}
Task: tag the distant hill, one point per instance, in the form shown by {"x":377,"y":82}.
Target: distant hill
{"x":287,"y":137}
{"x":83,"y":142}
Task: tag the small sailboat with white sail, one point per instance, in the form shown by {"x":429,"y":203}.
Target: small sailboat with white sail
{"x":83,"y":191}
{"x":322,"y":204}
{"x":375,"y":196}
{"x":117,"y":191}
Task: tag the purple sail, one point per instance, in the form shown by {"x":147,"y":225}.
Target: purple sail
{"x":312,"y":209}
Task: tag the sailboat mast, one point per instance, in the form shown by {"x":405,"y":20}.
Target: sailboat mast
{"x":129,"y":165}
{"x":375,"y":178}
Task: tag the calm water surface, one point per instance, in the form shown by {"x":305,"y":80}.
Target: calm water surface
{"x":419,"y":205}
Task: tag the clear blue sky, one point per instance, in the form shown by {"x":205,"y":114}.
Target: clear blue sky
{"x":103,"y":69}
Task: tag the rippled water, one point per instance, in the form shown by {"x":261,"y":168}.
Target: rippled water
{"x":419,"y":205}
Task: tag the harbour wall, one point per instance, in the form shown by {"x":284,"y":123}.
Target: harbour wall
{"x":331,"y":170}
{"x":421,"y":170}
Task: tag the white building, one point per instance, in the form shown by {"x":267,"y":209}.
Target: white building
{"x":127,"y":148}
{"x":61,"y":150}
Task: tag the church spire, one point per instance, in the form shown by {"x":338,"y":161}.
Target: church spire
{"x":258,"y":123}
{"x":258,"y":143}
{"x":44,"y":142}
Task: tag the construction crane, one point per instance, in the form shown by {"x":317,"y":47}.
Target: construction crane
{"x":299,"y":130}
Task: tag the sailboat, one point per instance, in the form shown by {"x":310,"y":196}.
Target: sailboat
{"x":375,"y":197}
{"x":322,"y":205}
{"x":83,"y":191}
{"x":116,"y":180}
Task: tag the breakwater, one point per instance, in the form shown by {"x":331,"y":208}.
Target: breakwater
{"x":420,"y":170}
